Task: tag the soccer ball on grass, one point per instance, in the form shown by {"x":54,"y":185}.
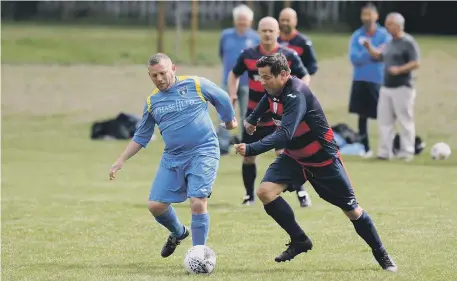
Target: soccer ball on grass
{"x":200,"y":259}
{"x":440,"y":151}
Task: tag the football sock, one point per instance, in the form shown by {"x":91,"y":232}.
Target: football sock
{"x":364,"y":226}
{"x":200,"y":228}
{"x":301,"y":188}
{"x":283,"y":214}
{"x":249,"y":175}
{"x":171,"y":222}
{"x":363,"y":132}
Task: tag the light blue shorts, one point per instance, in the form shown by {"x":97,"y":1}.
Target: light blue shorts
{"x":179,"y":179}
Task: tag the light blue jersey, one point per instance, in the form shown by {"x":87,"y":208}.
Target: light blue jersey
{"x":182,"y":116}
{"x":365,"y":67}
{"x":190,"y":161}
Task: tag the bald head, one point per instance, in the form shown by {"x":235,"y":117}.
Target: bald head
{"x":395,"y":24}
{"x":287,"y":20}
{"x":268,"y":22}
{"x":268,"y":31}
{"x":288,"y":12}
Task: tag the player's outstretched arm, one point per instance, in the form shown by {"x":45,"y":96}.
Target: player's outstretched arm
{"x":294,"y":111}
{"x":131,"y":149}
{"x":141,"y":139}
{"x":220,"y":100}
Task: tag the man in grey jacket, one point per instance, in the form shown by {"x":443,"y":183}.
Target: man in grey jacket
{"x":397,"y":95}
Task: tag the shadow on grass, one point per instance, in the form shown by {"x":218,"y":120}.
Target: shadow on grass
{"x":152,"y":269}
{"x":186,"y":205}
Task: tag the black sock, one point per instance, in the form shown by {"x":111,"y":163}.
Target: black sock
{"x":366,"y":229}
{"x":249,"y":175}
{"x":283,"y":214}
{"x":363,"y":132}
{"x":300,"y":188}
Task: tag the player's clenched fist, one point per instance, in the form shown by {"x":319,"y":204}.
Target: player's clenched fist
{"x":112,"y":171}
{"x":240,"y":148}
{"x":250,"y":129}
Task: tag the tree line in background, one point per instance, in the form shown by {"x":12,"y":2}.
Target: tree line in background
{"x":432,"y":17}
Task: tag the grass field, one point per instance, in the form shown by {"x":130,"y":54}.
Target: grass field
{"x":63,"y":220}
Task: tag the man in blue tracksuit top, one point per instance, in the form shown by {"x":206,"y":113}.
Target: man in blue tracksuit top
{"x":368,"y":73}
{"x":232,"y":42}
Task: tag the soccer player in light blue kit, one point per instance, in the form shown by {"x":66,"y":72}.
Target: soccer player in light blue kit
{"x":188,"y":168}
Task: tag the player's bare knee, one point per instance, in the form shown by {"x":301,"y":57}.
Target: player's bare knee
{"x":249,"y":160}
{"x":354,"y":214}
{"x":267,"y":192}
{"x":198,"y":205}
{"x":157,"y":208}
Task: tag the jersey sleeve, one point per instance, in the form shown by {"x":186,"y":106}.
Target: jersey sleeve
{"x":309,"y":57}
{"x":240,"y":66}
{"x":357,"y":53}
{"x":218,"y":98}
{"x":145,"y":129}
{"x":261,"y":108}
{"x":412,"y":51}
{"x":296,"y":67}
{"x":294,"y":111}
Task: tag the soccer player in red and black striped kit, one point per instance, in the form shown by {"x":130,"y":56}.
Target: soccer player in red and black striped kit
{"x":269,"y":31}
{"x":310,"y":154}
{"x":292,"y":39}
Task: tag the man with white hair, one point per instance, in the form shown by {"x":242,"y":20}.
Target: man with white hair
{"x":232,"y":42}
{"x":397,"y":95}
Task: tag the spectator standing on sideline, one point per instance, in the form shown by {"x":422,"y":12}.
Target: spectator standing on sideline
{"x":290,"y":37}
{"x":232,"y":42}
{"x":368,"y":73}
{"x":397,"y":96}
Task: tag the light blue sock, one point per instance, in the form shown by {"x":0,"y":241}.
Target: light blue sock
{"x":171,"y":222}
{"x":200,"y":228}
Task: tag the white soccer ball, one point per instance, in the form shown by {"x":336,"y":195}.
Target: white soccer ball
{"x":200,"y":259}
{"x":440,"y":151}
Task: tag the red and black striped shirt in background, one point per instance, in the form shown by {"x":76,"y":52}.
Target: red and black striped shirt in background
{"x":247,"y":62}
{"x":303,"y":127}
{"x":304,"y":48}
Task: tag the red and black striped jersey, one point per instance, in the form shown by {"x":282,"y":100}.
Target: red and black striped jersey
{"x":303,"y":128}
{"x":247,"y":62}
{"x":304,"y":48}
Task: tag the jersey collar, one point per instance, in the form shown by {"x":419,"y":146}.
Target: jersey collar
{"x":263,"y":52}
{"x":289,"y":37}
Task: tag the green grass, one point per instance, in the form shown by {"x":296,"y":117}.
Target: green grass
{"x":26,"y":43}
{"x":62,"y":219}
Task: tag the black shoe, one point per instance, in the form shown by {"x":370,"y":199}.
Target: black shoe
{"x":170,"y":246}
{"x":248,"y":200}
{"x":304,"y":199}
{"x":384,"y":260}
{"x":294,"y":248}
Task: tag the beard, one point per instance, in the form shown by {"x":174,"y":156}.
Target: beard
{"x":285,"y":28}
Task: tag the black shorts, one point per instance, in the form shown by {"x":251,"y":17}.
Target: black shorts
{"x":331,"y":182}
{"x":260,"y":133}
{"x":364,"y":99}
